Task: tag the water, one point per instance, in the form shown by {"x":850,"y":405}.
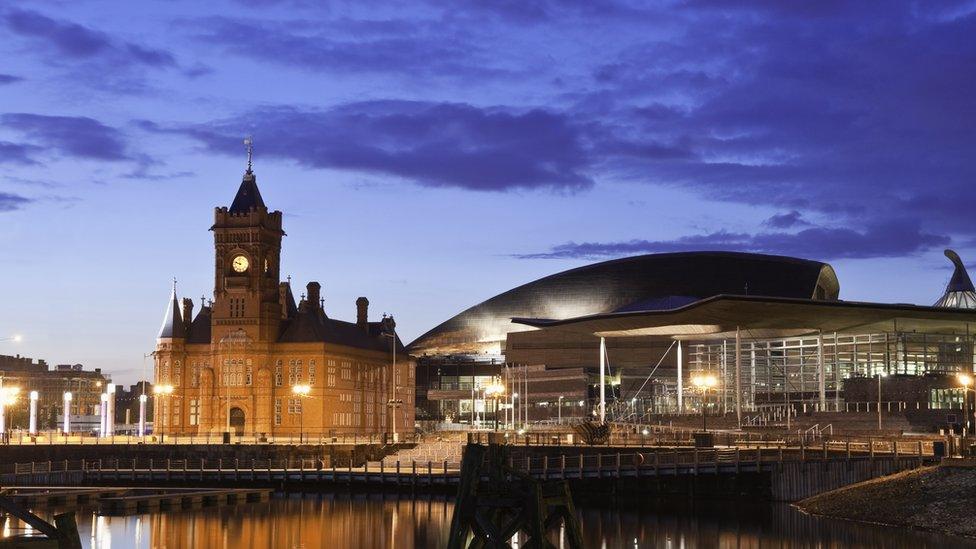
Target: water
{"x":350,"y":521}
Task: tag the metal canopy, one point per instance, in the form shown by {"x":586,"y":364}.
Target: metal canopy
{"x":763,"y":318}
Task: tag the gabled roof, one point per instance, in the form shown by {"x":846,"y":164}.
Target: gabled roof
{"x":311,"y":325}
{"x":173,"y":321}
{"x":248,"y":196}
{"x":200,"y":327}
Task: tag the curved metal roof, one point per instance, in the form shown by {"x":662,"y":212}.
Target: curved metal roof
{"x":665,"y":280}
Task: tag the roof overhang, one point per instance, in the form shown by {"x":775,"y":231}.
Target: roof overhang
{"x":760,"y":317}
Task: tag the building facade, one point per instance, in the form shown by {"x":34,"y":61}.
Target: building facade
{"x":234,"y":366}
{"x":27,"y":375}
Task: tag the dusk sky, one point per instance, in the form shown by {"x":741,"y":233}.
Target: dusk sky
{"x":431,"y":154}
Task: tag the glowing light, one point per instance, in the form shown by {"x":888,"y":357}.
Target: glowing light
{"x":163,"y":389}
{"x":301,"y":390}
{"x":704,"y":381}
{"x":965,"y":379}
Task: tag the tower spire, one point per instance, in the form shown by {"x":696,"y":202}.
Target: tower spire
{"x":249,"y":145}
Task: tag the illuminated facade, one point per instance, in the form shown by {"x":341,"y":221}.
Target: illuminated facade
{"x":459,"y":357}
{"x":235,"y":365}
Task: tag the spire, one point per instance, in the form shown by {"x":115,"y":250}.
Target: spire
{"x":248,"y":196}
{"x":959,"y":293}
{"x":173,"y":322}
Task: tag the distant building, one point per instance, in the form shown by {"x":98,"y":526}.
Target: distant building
{"x":127,"y":404}
{"x":234,"y":365}
{"x":85,"y":386}
{"x":461,"y":356}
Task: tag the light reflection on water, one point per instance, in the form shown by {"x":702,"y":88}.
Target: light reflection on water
{"x":349,"y":521}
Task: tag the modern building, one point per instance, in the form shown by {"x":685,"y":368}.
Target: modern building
{"x":769,"y":355}
{"x":27,"y":375}
{"x":235,"y":366}
{"x":461,"y":356}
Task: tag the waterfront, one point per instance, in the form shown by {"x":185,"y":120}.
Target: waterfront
{"x":352,"y":521}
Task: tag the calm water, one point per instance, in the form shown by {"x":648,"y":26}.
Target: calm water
{"x":344,"y":521}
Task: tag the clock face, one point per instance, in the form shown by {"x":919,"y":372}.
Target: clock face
{"x":239,"y":263}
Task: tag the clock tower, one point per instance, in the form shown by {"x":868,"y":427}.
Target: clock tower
{"x":247,"y":246}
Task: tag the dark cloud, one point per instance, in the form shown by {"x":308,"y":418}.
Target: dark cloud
{"x":70,"y":40}
{"x":891,"y":239}
{"x":9,"y":79}
{"x":431,"y":144}
{"x":353,"y":46}
{"x":10,"y":202}
{"x":859,"y":110}
{"x":75,"y":136}
{"x":17,"y":153}
{"x":786,"y":220}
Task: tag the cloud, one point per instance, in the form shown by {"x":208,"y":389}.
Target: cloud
{"x":406,"y":47}
{"x":786,"y":220}
{"x":17,"y":153}
{"x":10,"y":202}
{"x":9,"y":79}
{"x":73,"y":41}
{"x":431,"y":144}
{"x":890,"y":239}
{"x":75,"y":136}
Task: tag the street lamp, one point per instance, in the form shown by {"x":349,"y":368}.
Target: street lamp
{"x":704,"y":382}
{"x":301,"y":391}
{"x":495,"y":391}
{"x":8,"y":395}
{"x":559,"y":414}
{"x":162,"y":391}
{"x":32,"y":423}
{"x":142,"y":414}
{"x":965,"y":380}
{"x":66,"y":426}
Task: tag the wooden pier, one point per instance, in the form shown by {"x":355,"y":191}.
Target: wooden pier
{"x":790,"y":473}
{"x":139,"y":501}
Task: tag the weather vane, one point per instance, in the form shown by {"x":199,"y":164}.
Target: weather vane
{"x":249,"y":144}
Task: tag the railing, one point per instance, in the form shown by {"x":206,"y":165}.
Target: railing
{"x":544,"y":466}
{"x":322,"y":438}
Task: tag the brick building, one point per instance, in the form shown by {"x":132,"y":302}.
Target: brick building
{"x":233,"y":366}
{"x":29,"y":375}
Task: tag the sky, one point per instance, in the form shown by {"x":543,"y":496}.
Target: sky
{"x":430,"y":154}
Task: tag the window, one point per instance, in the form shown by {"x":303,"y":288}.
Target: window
{"x":331,"y":377}
{"x":277,"y":412}
{"x":294,"y":405}
{"x":236,"y":307}
{"x":247,"y":375}
{"x":194,"y":412}
{"x":278,"y":377}
{"x":311,"y":372}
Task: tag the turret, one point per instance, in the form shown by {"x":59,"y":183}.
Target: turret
{"x":173,"y":326}
{"x":362,"y":313}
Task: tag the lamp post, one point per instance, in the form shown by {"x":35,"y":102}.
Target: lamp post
{"x":142,"y":414}
{"x":965,"y":380}
{"x":103,"y":416}
{"x":66,"y":424}
{"x":880,"y":375}
{"x":32,"y":422}
{"x":162,"y":391}
{"x":514,"y":422}
{"x":495,"y":391}
{"x":301,"y":391}
{"x":704,"y":382}
{"x":110,"y":410}
{"x":559,"y":413}
{"x":8,"y":395}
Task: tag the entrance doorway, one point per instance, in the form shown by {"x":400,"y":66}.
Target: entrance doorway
{"x":237,"y":421}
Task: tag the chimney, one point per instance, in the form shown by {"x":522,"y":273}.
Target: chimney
{"x":362,"y":311}
{"x":313,"y":294}
{"x":187,"y":313}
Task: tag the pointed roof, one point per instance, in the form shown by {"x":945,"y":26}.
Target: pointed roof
{"x":173,"y":321}
{"x":959,"y":293}
{"x":248,"y":196}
